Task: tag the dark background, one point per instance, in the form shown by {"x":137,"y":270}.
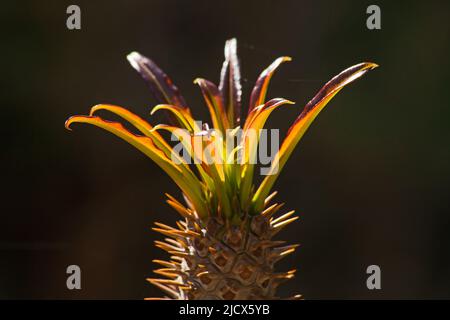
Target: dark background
{"x":370,"y":179}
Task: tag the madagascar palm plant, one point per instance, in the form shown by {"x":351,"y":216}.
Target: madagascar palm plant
{"x":223,"y":247}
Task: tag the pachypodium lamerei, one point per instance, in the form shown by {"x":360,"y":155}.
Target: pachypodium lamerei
{"x":223,"y":247}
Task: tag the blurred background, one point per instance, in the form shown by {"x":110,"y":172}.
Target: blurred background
{"x":370,"y":179}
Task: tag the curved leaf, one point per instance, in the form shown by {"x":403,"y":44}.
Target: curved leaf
{"x":259,"y":91}
{"x":304,"y":120}
{"x":184,"y":118}
{"x":230,"y":83}
{"x":162,"y":87}
{"x":182,"y":176}
{"x":142,"y":125}
{"x":250,"y":141}
{"x":214,"y":102}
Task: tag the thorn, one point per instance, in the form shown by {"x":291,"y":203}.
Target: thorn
{"x":184,"y":212}
{"x":270,"y":243}
{"x":178,"y":243}
{"x":162,"y":225}
{"x":191,"y":233}
{"x":283,"y":217}
{"x":167,"y":233}
{"x":270,"y":197}
{"x":177,"y":234}
{"x":270,"y":211}
{"x":165,"y":288}
{"x":177,"y":258}
{"x":171,"y":282}
{"x":164,"y":263}
{"x":168,"y":272}
{"x":167,"y":247}
{"x":279,"y":253}
{"x":287,"y":252}
{"x":173,"y":199}
{"x":168,"y":282}
{"x":277,"y":227}
{"x":179,"y":253}
{"x":181,"y":225}
{"x":202,"y":273}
